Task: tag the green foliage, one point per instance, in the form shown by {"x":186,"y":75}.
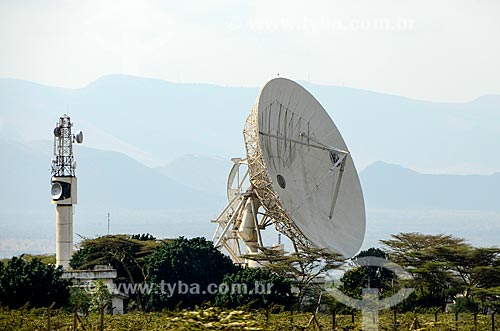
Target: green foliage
{"x":81,"y":258}
{"x":489,"y":297}
{"x":274,"y":289}
{"x":444,"y":267}
{"x":79,"y":299}
{"x":354,"y":280}
{"x":433,"y":283}
{"x":372,"y":251}
{"x":127,"y":254}
{"x":414,"y":241}
{"x":214,"y":319}
{"x":302,"y":267}
{"x":233,"y":320}
{"x":45,"y":258}
{"x":100,"y":297}
{"x":190,"y":261}
{"x":143,"y":237}
{"x":124,"y":253}
{"x":32,"y":281}
{"x":464,"y":304}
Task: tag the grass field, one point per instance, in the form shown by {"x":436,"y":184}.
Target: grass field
{"x":216,"y":319}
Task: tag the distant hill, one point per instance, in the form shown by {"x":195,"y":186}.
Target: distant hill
{"x":140,"y":199}
{"x":394,"y":187}
{"x":151,"y":120}
{"x":156,"y":121}
{"x":157,"y":154}
{"x":109,"y":180}
{"x":205,"y":173}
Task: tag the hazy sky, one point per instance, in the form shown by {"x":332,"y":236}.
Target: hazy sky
{"x":436,"y":50}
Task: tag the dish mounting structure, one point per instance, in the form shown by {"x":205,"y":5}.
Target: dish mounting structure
{"x":254,"y":202}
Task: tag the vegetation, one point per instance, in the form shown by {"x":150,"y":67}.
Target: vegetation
{"x":445,"y":269}
{"x":302,"y":268}
{"x":354,"y":280}
{"x":259,"y":288}
{"x":218,"y":319}
{"x":40,"y":284}
{"x":194,"y":262}
{"x":44,"y":258}
{"x":100,"y":297}
{"x":143,"y":237}
{"x":127,"y":254}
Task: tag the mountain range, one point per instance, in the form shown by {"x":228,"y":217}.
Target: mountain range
{"x":155,"y":122}
{"x":156,"y":156}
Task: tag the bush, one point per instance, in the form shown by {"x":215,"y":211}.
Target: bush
{"x":34,"y":282}
{"x":195,"y":262}
{"x":255,"y":288}
{"x":463,"y":305}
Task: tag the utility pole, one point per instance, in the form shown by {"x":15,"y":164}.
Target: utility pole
{"x":108,"y":223}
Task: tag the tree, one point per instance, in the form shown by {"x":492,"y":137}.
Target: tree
{"x":354,"y":280}
{"x":432,"y":281}
{"x":80,"y":299}
{"x":127,"y":254}
{"x":100,"y":297}
{"x":143,"y":237}
{"x":474,"y":269}
{"x":303,"y":267}
{"x":444,"y":266}
{"x":196,"y":263}
{"x":256,"y":288}
{"x":489,"y":297}
{"x":402,"y":248}
{"x":475,"y":266}
{"x":34,"y":282}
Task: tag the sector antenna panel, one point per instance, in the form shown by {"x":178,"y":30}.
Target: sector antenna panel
{"x":302,"y":171}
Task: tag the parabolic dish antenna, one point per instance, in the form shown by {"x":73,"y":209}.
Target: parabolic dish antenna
{"x":56,"y":191}
{"x":79,"y":137}
{"x":301,"y":172}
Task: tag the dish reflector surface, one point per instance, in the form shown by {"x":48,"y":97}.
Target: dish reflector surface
{"x":56,"y":190}
{"x":302,"y":171}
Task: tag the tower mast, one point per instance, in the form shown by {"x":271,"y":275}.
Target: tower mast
{"x":64,"y":188}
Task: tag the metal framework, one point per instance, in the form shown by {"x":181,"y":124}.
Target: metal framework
{"x":63,"y":162}
{"x":260,"y":193}
{"x":228,"y":234}
{"x":263,"y":186}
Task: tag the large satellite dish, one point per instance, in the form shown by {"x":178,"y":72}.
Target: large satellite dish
{"x":301,"y":173}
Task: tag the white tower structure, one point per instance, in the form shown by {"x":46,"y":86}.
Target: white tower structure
{"x":64,"y":187}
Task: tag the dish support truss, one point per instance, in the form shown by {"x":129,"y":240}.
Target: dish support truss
{"x":240,"y":222}
{"x":263,"y":186}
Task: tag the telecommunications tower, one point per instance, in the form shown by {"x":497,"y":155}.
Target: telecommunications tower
{"x":64,"y":187}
